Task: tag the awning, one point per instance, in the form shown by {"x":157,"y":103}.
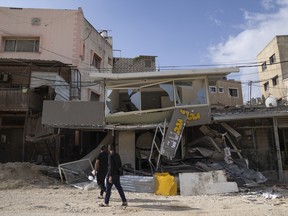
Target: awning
{"x":117,"y":78}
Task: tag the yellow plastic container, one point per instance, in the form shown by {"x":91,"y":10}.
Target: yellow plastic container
{"x":165,"y":184}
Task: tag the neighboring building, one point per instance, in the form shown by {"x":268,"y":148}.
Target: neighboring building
{"x":46,"y":54}
{"x":61,"y":35}
{"x":24,"y":86}
{"x":133,"y":65}
{"x":273,"y":68}
{"x":224,"y":92}
{"x":264,"y":138}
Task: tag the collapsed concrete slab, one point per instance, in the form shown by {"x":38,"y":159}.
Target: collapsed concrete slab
{"x":213,"y":182}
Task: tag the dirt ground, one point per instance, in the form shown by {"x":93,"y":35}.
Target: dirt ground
{"x":25,"y":191}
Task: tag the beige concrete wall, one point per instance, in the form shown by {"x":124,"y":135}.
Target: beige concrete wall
{"x":126,"y":147}
{"x":223,"y":98}
{"x":278,"y":46}
{"x":56,"y":31}
{"x":96,"y":43}
{"x":65,"y":35}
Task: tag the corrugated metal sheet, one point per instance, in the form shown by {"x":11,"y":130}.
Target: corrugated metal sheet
{"x":73,"y":114}
{"x":140,"y":184}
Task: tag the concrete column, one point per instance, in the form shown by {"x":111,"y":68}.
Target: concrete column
{"x":126,"y":147}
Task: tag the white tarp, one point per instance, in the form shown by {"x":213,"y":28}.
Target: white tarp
{"x":62,"y":88}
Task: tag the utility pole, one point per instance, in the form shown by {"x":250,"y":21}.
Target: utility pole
{"x":250,"y":84}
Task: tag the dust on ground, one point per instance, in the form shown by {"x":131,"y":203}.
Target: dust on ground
{"x":25,"y":190}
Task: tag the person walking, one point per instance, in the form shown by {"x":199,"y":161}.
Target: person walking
{"x":113,"y":177}
{"x":100,"y":169}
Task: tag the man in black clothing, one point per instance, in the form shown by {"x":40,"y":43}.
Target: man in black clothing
{"x":101,"y":168}
{"x":113,"y":177}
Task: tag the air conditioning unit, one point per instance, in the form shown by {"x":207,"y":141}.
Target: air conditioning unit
{"x":4,"y":77}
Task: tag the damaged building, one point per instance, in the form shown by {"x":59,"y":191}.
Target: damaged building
{"x":163,"y":121}
{"x":179,"y":121}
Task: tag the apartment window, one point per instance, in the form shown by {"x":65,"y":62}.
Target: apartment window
{"x":264,"y":66}
{"x":212,"y":89}
{"x":272,"y":59}
{"x":275,"y":80}
{"x":266,"y":86}
{"x":96,"y":61}
{"x":233,"y":92}
{"x":220,"y":89}
{"x":21,"y":45}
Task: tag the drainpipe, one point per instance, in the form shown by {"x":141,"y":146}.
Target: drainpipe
{"x":278,"y":152}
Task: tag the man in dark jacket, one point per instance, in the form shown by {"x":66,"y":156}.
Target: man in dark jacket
{"x":101,"y":168}
{"x":113,"y":177}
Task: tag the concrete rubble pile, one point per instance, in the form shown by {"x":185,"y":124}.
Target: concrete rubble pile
{"x":216,"y":151}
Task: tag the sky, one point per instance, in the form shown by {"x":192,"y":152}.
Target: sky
{"x":185,"y":34}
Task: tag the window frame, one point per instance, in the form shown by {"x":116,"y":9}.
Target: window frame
{"x":266,"y":86}
{"x":272,"y":59}
{"x":18,"y":45}
{"x":229,"y":92}
{"x":275,"y":80}
{"x":212,"y":87}
{"x":96,"y":61}
{"x":264,"y":66}
{"x":222,"y":89}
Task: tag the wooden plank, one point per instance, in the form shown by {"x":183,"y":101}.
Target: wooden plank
{"x":231,"y":131}
{"x":234,"y":146}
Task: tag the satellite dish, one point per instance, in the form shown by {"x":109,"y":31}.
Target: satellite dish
{"x":271,"y":102}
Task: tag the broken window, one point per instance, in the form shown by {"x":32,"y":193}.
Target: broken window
{"x":212,"y":89}
{"x":151,"y":95}
{"x":124,"y":100}
{"x":233,"y":92}
{"x":156,"y":96}
{"x":191,"y":92}
{"x":264,"y":66}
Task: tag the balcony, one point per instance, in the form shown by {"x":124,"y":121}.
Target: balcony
{"x":18,"y":100}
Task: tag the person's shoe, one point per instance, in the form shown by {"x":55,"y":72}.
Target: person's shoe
{"x":124,"y":204}
{"x":103,"y":205}
{"x":100,"y":197}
